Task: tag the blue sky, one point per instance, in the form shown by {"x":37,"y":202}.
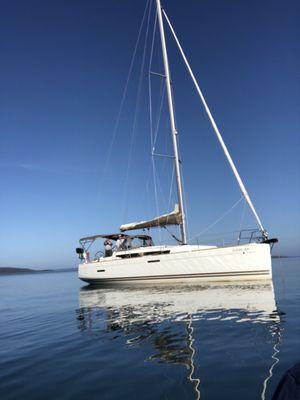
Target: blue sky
{"x":62,"y":73}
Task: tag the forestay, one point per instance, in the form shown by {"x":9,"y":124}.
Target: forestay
{"x":173,"y":218}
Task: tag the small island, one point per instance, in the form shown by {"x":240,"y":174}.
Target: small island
{"x":15,"y":270}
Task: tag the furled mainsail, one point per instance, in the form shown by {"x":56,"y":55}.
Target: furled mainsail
{"x":173,"y":218}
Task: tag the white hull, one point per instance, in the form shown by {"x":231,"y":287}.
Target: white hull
{"x":183,"y":264}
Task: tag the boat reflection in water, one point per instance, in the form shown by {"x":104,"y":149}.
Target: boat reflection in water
{"x":171,"y":317}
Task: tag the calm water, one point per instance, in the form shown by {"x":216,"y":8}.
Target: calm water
{"x":61,"y":340}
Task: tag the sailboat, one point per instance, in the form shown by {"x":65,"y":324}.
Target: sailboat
{"x":137,"y":258}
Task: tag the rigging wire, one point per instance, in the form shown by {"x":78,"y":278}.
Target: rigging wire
{"x":156,"y":196}
{"x":137,"y":106}
{"x":181,"y":168}
{"x":154,"y":134}
{"x":185,"y":203}
{"x":171,"y":187}
{"x":159,"y":116}
{"x":151,"y":123}
{"x":218,"y":220}
{"x":171,"y":234}
{"x":116,"y":126}
{"x":243,"y":214}
{"x":208,"y":238}
{"x":162,"y":194}
{"x":149,"y":81}
{"x":216,"y":130}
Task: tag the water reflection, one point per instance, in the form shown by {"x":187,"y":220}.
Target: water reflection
{"x":166,"y":316}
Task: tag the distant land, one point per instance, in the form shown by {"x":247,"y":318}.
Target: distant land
{"x":285,"y":256}
{"x":16,"y":270}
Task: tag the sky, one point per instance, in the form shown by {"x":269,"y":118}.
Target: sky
{"x":67,"y":172}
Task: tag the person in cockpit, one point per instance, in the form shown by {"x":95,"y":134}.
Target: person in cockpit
{"x":108,"y":248}
{"x":119,"y":243}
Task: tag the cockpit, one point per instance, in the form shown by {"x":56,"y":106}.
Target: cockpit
{"x":119,"y":243}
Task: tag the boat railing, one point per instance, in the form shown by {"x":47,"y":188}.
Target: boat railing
{"x":250,"y":236}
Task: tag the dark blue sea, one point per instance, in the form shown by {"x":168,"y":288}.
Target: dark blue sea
{"x":61,"y":339}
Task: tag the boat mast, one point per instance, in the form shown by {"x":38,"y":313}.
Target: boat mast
{"x":172,"y":121}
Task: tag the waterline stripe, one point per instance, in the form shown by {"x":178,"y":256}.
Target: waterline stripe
{"x":185,"y":276}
